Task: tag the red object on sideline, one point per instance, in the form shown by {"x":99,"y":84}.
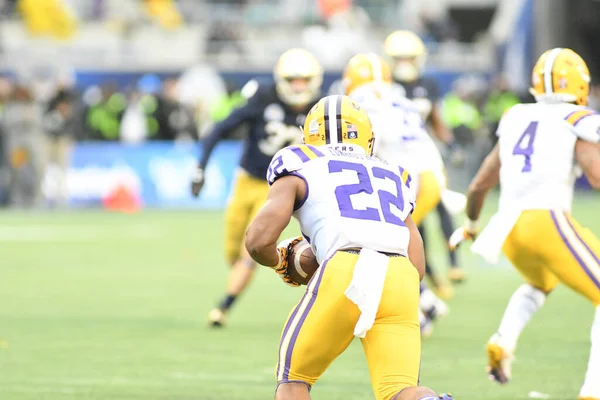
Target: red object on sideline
{"x":122,"y":199}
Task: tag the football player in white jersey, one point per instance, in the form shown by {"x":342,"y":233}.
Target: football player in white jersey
{"x":401,"y":139}
{"x":355,"y":210}
{"x":541,"y":149}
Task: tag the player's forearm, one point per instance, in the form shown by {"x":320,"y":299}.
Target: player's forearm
{"x":593,"y":174}
{"x":487,"y":177}
{"x":475,"y":200}
{"x":587,"y":155}
{"x":416,"y":251}
{"x":263,"y":253}
{"x":261,"y":237}
{"x":208,"y":146}
{"x":220,"y":131}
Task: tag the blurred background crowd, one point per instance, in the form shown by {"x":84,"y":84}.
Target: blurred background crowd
{"x":136,"y":71}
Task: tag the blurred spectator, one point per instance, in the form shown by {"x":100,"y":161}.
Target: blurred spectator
{"x":7,"y":7}
{"x":429,"y":18}
{"x":58,"y":125}
{"x":460,"y":110}
{"x":224,"y":35}
{"x":5,"y":95}
{"x":198,"y":88}
{"x":48,"y":18}
{"x":122,"y":16}
{"x":344,"y":33}
{"x":164,"y":12}
{"x":46,"y":79}
{"x":4,"y":168}
{"x":344,"y":15}
{"x":104,"y":109}
{"x":24,"y":146}
{"x":225,"y":28}
{"x":438,"y":26}
{"x":139,"y":120}
{"x":175,"y":121}
{"x":98,"y":9}
{"x":500,"y":98}
{"x":5,"y":92}
{"x":155,"y":113}
{"x":222,"y":107}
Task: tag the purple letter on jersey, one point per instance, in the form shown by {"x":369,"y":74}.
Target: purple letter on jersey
{"x":527,"y":151}
{"x":275,"y":169}
{"x":343,"y":193}
{"x":388,"y":199}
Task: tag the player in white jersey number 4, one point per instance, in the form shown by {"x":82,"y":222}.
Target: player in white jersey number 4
{"x":541,"y":149}
{"x":355,"y":210}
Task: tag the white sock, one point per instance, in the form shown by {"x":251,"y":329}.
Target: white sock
{"x":591,"y":386}
{"x":525,"y":302}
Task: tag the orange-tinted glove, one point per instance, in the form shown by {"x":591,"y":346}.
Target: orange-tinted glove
{"x":284,"y":248}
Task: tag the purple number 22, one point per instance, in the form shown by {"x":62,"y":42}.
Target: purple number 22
{"x":386,"y":199}
{"x":527,"y":151}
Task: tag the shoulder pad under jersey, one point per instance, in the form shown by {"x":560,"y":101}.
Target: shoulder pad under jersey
{"x":291,"y":159}
{"x":584,"y":122}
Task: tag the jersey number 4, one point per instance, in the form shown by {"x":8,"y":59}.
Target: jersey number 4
{"x":343,"y":193}
{"x":524,"y":146}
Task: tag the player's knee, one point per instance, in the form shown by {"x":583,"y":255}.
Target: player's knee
{"x":538,"y":295}
{"x":292,"y":390}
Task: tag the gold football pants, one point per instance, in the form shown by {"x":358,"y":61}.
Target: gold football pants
{"x":322,"y":325}
{"x":248,"y":196}
{"x":548,"y":247}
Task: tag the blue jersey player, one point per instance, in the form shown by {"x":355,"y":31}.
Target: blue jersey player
{"x":274,"y":112}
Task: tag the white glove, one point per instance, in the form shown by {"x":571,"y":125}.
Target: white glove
{"x":467,"y":232}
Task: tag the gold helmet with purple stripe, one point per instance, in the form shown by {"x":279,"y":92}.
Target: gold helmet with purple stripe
{"x":338,"y":120}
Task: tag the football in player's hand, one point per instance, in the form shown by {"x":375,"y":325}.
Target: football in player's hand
{"x":302,"y":263}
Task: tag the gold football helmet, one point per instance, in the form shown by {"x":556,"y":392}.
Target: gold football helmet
{"x":298,"y":77}
{"x":407,"y":55}
{"x":338,"y":120}
{"x":561,"y":75}
{"x":365,"y":68}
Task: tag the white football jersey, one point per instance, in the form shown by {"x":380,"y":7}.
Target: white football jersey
{"x":537,"y":142}
{"x":352,"y":199}
{"x":400,"y":134}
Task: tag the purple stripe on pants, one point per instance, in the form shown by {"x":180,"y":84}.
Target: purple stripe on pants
{"x":573,"y":252}
{"x":582,"y":241}
{"x":290,"y":350}
{"x":287,"y":327}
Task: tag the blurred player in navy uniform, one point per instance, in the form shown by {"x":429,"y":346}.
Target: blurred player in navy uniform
{"x":407,"y":53}
{"x":274,"y":112}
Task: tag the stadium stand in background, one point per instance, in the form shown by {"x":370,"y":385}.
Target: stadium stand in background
{"x":148,"y":70}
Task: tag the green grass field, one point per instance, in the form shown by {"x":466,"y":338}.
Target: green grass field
{"x":108,"y":306}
